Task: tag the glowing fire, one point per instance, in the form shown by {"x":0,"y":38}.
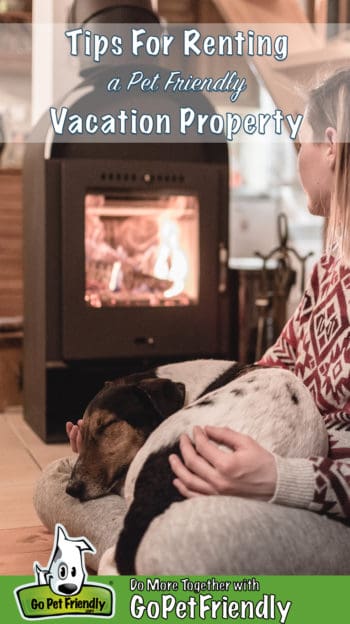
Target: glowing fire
{"x":143,"y":252}
{"x":171,"y":263}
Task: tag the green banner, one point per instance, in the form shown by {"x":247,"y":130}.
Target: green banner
{"x":126,"y":600}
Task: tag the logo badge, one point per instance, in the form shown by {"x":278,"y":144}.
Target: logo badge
{"x":61,"y":589}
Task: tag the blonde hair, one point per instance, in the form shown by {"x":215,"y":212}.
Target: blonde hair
{"x":329,"y":106}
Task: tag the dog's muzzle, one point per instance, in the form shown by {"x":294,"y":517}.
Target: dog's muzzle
{"x":76,"y":489}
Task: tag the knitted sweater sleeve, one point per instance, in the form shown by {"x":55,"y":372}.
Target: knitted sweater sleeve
{"x":320,"y":484}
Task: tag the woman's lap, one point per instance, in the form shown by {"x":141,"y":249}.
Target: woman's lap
{"x":208,"y":535}
{"x":227,"y":535}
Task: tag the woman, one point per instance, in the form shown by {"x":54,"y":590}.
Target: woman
{"x":264,"y":514}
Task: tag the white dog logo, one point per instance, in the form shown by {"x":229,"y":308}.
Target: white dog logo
{"x":66,"y":571}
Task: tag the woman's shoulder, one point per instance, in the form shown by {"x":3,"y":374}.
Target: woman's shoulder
{"x":324,"y":274}
{"x":329,"y":274}
{"x":326,"y":261}
{"x":331,"y":264}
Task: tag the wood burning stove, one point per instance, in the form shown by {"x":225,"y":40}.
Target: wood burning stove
{"x":125,"y":267}
{"x":125,"y":263}
{"x":142,"y":258}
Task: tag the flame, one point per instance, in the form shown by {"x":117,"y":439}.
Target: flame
{"x":171,"y":263}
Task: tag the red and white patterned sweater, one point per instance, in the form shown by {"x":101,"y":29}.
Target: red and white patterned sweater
{"x":315,"y":345}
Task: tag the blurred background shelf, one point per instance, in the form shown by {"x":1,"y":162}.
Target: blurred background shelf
{"x":15,"y":11}
{"x":9,"y":17}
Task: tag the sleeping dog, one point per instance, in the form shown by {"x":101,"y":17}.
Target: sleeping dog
{"x":123,"y":414}
{"x":269,"y":404}
{"x":125,"y":421}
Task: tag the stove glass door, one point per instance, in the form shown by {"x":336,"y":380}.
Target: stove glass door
{"x":141,"y":250}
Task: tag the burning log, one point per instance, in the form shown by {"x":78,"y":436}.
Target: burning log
{"x":135,"y":280}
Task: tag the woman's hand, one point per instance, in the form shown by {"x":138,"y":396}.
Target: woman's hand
{"x":245,"y":469}
{"x":74,"y":435}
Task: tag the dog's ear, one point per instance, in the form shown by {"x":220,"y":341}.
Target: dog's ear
{"x":149,"y":402}
{"x":168,"y":396}
{"x":143,"y":404}
{"x":132,"y":378}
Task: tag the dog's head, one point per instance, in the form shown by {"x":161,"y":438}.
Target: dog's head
{"x":115,"y":425}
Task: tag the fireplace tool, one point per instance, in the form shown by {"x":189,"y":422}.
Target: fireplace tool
{"x":272,"y":300}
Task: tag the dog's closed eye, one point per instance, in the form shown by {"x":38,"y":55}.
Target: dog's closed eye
{"x":102,"y":426}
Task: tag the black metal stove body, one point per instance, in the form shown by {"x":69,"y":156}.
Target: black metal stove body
{"x":88,"y":319}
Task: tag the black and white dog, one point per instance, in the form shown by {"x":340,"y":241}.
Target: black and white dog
{"x":269,"y":404}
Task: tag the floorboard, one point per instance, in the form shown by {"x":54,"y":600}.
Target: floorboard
{"x":23,"y":455}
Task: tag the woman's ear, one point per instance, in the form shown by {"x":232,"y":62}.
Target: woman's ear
{"x":331,"y":145}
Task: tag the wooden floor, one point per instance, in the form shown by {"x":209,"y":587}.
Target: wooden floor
{"x":23,"y":456}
